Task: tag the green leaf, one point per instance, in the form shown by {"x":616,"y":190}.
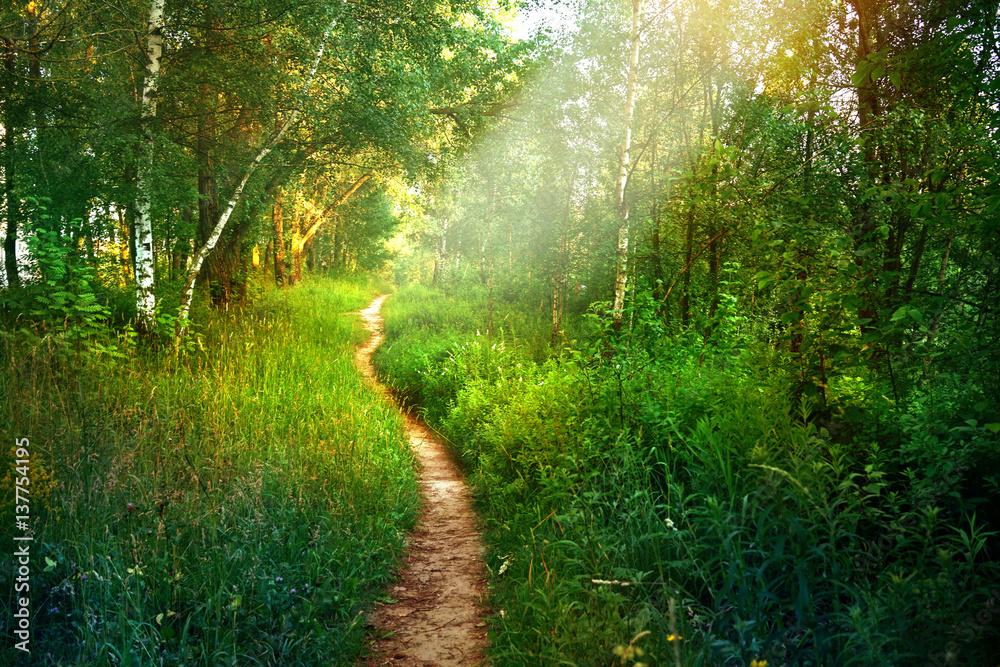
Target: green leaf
{"x":899,"y":314}
{"x":995,"y":428}
{"x":896,"y":78}
{"x":864,"y":70}
{"x":49,"y":564}
{"x":878,"y":72}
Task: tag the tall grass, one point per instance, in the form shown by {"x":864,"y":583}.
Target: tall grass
{"x":650,"y":501}
{"x":241,"y":505}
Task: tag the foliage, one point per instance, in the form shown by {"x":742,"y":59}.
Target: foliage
{"x":633,"y":473}
{"x":242,"y":503}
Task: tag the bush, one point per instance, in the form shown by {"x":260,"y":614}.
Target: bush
{"x":654,"y":495}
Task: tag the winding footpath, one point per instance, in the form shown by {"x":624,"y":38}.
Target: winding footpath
{"x":438,"y":618}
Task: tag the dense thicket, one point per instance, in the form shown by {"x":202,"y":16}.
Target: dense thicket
{"x":785,"y":442}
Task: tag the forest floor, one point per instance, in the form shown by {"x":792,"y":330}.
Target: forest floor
{"x":437,"y":618}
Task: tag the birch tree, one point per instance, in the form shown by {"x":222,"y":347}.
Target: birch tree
{"x":145,"y":299}
{"x":220,"y":226}
{"x":621,"y":182}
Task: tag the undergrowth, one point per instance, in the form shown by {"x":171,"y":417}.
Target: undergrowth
{"x":240,"y":505}
{"x":654,"y":500}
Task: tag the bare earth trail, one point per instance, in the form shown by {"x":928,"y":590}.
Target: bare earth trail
{"x":438,"y":617}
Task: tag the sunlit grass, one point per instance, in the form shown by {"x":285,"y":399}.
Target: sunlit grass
{"x":240,"y":505}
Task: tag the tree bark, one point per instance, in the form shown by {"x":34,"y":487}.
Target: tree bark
{"x":317,"y":221}
{"x":11,"y":199}
{"x":489,"y":241}
{"x":688,"y":252}
{"x":144,"y":261}
{"x":440,"y":249}
{"x":265,"y":150}
{"x":296,"y":246}
{"x":868,"y":113}
{"x":621,"y":251}
{"x":559,"y":280}
{"x":278,"y":219}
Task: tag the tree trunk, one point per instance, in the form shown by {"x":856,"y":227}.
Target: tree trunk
{"x":296,"y":253}
{"x":179,"y":256}
{"x":11,"y":199}
{"x":144,"y":261}
{"x":868,"y":113}
{"x":143,"y":258}
{"x":278,"y":219}
{"x":209,"y":245}
{"x":439,"y":253}
{"x":489,"y":241}
{"x":688,"y":252}
{"x":559,"y":280}
{"x":309,"y":230}
{"x":125,"y":245}
{"x":621,"y":252}
{"x":918,"y":255}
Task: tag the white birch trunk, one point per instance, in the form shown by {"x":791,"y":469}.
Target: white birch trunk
{"x":199,"y":257}
{"x":621,"y":264}
{"x":145,"y":300}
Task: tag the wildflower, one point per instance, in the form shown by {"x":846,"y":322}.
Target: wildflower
{"x":294,"y":591}
{"x":83,"y":577}
{"x":279,"y":579}
{"x":130,"y":508}
{"x":677,"y":638}
{"x":758,"y":663}
{"x":670,"y":524}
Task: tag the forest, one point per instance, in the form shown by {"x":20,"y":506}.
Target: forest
{"x":702,"y":297}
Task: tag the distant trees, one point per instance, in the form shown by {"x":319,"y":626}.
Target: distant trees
{"x":820,"y":171}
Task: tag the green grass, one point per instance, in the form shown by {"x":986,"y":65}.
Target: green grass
{"x":241,"y":505}
{"x":693,"y":479}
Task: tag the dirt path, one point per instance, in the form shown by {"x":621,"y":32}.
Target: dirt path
{"x":438,"y":617}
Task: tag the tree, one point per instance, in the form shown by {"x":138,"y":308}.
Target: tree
{"x":621,"y":265}
{"x":144,"y":260}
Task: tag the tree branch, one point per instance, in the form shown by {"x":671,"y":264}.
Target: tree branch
{"x":688,"y":266}
{"x":320,"y":219}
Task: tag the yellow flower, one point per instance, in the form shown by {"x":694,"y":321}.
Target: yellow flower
{"x":758,"y":663}
{"x":675,"y":638}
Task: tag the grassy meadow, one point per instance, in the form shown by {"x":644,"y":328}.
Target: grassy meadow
{"x":241,"y":504}
{"x":648,"y":500}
